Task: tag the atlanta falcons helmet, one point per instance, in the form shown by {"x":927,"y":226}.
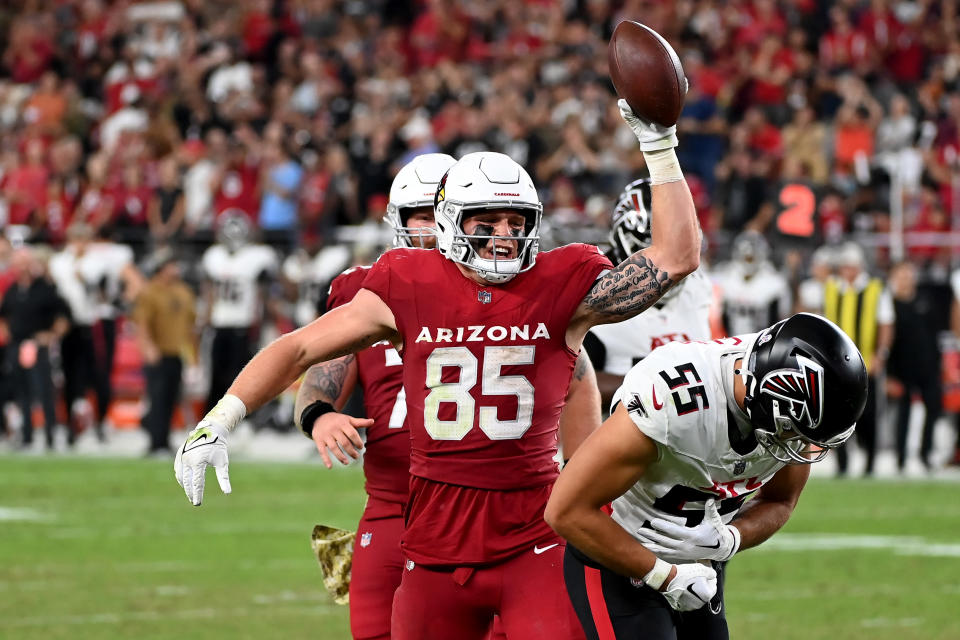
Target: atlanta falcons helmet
{"x":806,"y":387}
{"x":487,"y":180}
{"x":631,"y":228}
{"x":630,"y":231}
{"x":234,"y":230}
{"x":750,"y":250}
{"x":415,"y":186}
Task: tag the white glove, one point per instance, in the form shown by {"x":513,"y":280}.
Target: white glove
{"x":651,"y":135}
{"x":205,"y":445}
{"x":709,"y":540}
{"x":694,"y":586}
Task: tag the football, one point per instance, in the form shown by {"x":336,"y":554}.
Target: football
{"x":646,"y":72}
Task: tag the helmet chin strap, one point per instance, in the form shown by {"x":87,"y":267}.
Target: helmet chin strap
{"x":489,"y":271}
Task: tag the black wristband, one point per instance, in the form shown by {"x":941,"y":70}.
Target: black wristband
{"x":310,"y":414}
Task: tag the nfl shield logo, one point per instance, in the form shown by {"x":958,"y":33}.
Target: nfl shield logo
{"x":739,"y":467}
{"x":484,"y":296}
{"x":365,"y":539}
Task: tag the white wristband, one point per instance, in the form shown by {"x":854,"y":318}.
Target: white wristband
{"x":227,"y":413}
{"x":658,"y":575}
{"x":736,"y":540}
{"x":663,"y":166}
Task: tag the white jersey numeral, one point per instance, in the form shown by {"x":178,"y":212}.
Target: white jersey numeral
{"x":493,"y":383}
{"x":399,"y":414}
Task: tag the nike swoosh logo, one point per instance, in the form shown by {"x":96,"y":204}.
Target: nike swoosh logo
{"x":656,"y":405}
{"x":695,"y":594}
{"x":537,"y":550}
{"x":199,"y":442}
{"x":710,"y":546}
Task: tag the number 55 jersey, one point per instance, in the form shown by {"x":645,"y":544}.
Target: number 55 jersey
{"x":681,"y":396}
{"x":485,"y":371}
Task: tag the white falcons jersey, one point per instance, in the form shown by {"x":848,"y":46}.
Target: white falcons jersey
{"x":753,"y":303}
{"x":101,"y":269}
{"x":235,"y":276}
{"x":64,"y":269}
{"x":684,"y":317}
{"x":681,"y":396}
{"x":313,"y":275}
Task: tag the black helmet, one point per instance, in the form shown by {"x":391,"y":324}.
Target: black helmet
{"x":630,"y":231}
{"x":806,"y":386}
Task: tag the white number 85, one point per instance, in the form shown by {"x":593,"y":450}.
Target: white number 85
{"x":492,"y":384}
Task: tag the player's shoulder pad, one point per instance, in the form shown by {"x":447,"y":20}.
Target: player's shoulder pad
{"x":348,"y":283}
{"x":646,"y":397}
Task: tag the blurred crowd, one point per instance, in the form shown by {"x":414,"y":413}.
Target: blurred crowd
{"x":145,"y":124}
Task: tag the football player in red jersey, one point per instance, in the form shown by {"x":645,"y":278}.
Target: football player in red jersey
{"x":377,"y":559}
{"x":489,"y":331}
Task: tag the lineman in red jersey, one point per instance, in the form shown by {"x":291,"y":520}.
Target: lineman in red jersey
{"x":489,"y":333}
{"x":377,"y":559}
{"x":377,"y":564}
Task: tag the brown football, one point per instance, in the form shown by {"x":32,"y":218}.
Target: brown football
{"x":646,"y":72}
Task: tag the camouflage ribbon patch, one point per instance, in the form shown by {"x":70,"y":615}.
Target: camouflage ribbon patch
{"x":334,"y":551}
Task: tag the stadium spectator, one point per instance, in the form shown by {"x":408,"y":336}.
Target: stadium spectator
{"x":863,"y":309}
{"x":914,"y":362}
{"x":167,"y":209}
{"x":34,"y":317}
{"x":165,"y":314}
{"x":279,"y":181}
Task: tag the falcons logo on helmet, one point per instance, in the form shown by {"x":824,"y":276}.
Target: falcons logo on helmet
{"x":802,"y":391}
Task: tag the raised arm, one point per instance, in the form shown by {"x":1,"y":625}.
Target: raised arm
{"x":641,"y":279}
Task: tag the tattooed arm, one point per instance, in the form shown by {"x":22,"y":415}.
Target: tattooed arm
{"x":334,"y":433}
{"x":641,"y":279}
{"x":354,"y":326}
{"x":581,"y":414}
{"x":331,"y":382}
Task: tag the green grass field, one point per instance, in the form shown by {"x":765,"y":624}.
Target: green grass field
{"x":111,"y":549}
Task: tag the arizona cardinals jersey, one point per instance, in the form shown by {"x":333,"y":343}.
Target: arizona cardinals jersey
{"x":685,"y":316}
{"x":752,"y":303}
{"x":313,"y":275}
{"x":681,"y":396}
{"x":486,"y":371}
{"x":386,"y":457}
{"x":235,"y":277}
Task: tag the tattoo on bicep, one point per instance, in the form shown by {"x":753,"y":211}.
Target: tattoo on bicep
{"x":582,"y":366}
{"x":325,"y":381}
{"x":628,"y":289}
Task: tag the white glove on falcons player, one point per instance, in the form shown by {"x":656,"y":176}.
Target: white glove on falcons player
{"x":709,"y":540}
{"x":652,"y":136}
{"x":205,"y":445}
{"x":693,"y":586}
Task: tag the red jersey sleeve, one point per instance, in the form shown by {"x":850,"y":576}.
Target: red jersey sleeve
{"x":581,"y":265}
{"x":345,"y":286}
